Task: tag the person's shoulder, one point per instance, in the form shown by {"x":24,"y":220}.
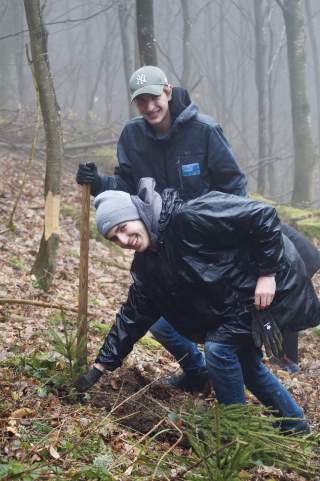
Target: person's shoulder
{"x":134,"y":122}
{"x":206,"y":120}
{"x":133,"y":127}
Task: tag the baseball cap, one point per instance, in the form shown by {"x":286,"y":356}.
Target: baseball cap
{"x":147,"y":80}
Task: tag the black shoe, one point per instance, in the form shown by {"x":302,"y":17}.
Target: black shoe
{"x":87,"y":380}
{"x":302,"y":428}
{"x":187,"y":382}
{"x":285,"y":364}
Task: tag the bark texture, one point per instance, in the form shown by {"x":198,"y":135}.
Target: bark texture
{"x":301,"y":120}
{"x":261,"y":76}
{"x":124,"y":9}
{"x":145,"y":32}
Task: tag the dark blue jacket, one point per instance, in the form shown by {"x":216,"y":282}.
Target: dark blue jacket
{"x":194,"y":157}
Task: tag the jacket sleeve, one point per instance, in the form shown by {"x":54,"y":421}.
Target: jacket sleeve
{"x":133,"y":320}
{"x":226,"y":175}
{"x":233,"y":222}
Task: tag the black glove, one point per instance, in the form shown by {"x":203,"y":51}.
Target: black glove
{"x":88,"y":174}
{"x":266,"y":331}
{"x":87,"y":380}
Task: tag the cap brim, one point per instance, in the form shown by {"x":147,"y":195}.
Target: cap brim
{"x":148,"y":89}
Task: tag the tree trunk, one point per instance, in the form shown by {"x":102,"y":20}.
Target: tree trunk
{"x":19,"y":56}
{"x":316,"y":63}
{"x":260,"y":76}
{"x":243,"y":79}
{"x":186,"y":45}
{"x":145,"y":31}
{"x":270,"y":122}
{"x":45,"y":263}
{"x":222,"y":62}
{"x":127,"y":52}
{"x":300,"y":110}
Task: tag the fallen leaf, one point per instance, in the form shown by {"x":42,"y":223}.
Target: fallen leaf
{"x":115,"y":384}
{"x":53,"y":453}
{"x":35,"y":458}
{"x":13,"y":430}
{"x":22,"y":413}
{"x":128,"y":471}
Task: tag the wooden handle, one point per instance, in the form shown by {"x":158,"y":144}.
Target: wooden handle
{"x":82,"y":328}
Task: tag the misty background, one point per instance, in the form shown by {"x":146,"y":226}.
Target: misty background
{"x":207,"y":46}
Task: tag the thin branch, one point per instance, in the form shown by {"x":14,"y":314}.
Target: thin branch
{"x":30,"y":302}
{"x":183,"y":472}
{"x":68,"y":20}
{"x":168,"y":450}
{"x":280,"y":4}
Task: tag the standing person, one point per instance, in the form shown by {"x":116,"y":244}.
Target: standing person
{"x":219,"y":268}
{"x":182,"y":149}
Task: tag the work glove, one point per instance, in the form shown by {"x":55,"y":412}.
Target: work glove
{"x":88,"y":174}
{"x":87,"y":380}
{"x":266,"y":331}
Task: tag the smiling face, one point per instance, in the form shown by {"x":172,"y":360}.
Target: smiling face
{"x":155,"y":109}
{"x":131,"y":234}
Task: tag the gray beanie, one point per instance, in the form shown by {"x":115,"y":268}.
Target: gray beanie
{"x":114,"y":207}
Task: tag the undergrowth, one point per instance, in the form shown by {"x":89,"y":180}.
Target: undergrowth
{"x":222,"y":443}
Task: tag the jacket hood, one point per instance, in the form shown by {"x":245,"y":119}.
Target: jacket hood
{"x":181,"y":107}
{"x":148,"y":204}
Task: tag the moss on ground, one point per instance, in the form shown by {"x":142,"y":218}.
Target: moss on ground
{"x":307,"y":221}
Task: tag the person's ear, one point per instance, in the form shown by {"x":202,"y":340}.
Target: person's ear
{"x":168,"y":90}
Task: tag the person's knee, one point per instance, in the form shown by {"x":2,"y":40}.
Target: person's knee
{"x":218,"y":355}
{"x":161,"y":330}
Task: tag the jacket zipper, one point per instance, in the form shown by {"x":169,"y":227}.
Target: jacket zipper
{"x":180,"y":176}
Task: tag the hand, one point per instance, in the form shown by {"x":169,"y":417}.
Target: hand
{"x":264,"y":292}
{"x":88,"y":174}
{"x":266,"y":331}
{"x":87,"y":380}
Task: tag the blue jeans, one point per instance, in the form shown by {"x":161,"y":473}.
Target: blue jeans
{"x":233,"y":366}
{"x":184,"y":351}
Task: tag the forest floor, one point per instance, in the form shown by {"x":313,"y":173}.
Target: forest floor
{"x":46,"y":433}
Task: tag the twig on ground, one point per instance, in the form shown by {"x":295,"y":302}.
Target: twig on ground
{"x":30,"y":302}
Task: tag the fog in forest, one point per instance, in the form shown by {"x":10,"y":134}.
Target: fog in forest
{"x":225,"y":52}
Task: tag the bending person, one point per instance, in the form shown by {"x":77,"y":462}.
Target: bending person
{"x":219,"y":268}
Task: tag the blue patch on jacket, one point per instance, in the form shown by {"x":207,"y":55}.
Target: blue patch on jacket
{"x":190,"y":169}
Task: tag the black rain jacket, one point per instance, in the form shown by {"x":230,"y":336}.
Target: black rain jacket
{"x":203,"y":275}
{"x":193,"y":157}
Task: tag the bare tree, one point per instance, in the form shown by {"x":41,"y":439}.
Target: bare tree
{"x":316,"y":62}
{"x":145,"y":32}
{"x":300,"y":110}
{"x":260,"y":76}
{"x":124,"y":11}
{"x":222,"y":64}
{"x":45,"y":262}
{"x":243,"y":77}
{"x":186,"y":44}
{"x":274,"y":51}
